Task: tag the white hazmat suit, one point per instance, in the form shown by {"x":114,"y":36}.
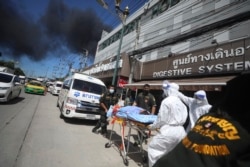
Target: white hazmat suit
{"x":170,"y":119}
{"x":198,"y":106}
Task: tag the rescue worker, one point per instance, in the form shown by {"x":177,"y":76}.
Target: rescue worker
{"x":107,"y":99}
{"x":145,"y":100}
{"x":170,"y":119}
{"x":198,"y":106}
{"x":220,"y":138}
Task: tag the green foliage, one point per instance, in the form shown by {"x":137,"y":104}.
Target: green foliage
{"x":11,"y":65}
{"x":8,"y":64}
{"x":19,"y":71}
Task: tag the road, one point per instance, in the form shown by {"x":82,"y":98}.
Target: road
{"x":33,"y":135}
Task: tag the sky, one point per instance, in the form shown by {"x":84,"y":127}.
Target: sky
{"x":46,"y":37}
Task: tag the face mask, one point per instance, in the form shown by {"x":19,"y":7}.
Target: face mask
{"x":145,"y":92}
{"x":111,"y":91}
{"x":165,"y":92}
{"x":197,"y":101}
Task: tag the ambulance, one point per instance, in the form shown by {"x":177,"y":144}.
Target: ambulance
{"x":79,"y":97}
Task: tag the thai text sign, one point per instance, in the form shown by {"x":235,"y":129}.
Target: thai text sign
{"x":227,"y":58}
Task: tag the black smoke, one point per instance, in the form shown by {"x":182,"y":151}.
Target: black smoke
{"x":60,"y":26}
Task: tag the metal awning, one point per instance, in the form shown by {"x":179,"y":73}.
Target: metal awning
{"x":190,"y":84}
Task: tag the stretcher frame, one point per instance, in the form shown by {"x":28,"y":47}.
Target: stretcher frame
{"x":124,"y":148}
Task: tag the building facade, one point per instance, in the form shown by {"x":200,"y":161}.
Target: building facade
{"x":195,"y":43}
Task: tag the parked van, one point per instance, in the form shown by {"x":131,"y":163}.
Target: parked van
{"x":56,"y":88}
{"x":10,"y":86}
{"x":79,"y":97}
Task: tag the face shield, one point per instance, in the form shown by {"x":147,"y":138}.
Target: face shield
{"x":169,"y":88}
{"x":165,"y":87}
{"x":200,"y":96}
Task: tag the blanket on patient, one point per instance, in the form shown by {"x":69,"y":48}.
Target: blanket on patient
{"x":123,"y":112}
{"x":135,"y":113}
{"x":142,"y":118}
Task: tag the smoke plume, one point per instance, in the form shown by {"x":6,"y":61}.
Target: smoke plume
{"x":59,"y":27}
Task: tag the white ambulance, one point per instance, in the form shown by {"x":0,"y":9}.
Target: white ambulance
{"x":79,"y":97}
{"x":56,"y":88}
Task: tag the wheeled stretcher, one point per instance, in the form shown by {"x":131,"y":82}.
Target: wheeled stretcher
{"x":130,"y":117}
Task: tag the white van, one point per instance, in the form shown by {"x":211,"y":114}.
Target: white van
{"x":10,"y":86}
{"x":79,"y":97}
{"x":56,"y":88}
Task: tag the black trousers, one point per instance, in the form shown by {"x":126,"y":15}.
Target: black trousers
{"x":102,"y":122}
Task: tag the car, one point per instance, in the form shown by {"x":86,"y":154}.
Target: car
{"x":10,"y":86}
{"x":35,"y":87}
{"x":56,"y":88}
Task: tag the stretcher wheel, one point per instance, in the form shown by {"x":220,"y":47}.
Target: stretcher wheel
{"x":125,"y":161}
{"x":107,"y":145}
{"x":144,"y":158}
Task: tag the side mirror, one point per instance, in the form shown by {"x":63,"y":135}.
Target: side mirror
{"x":17,"y":83}
{"x":66,"y":86}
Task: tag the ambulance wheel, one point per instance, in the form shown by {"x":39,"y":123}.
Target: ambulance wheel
{"x":144,"y":158}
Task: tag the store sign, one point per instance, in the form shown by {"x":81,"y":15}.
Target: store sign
{"x":211,"y":61}
{"x":104,"y":67}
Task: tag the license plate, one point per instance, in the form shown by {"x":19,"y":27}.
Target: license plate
{"x":90,"y":116}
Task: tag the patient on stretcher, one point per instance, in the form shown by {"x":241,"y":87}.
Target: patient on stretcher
{"x":134,"y":113}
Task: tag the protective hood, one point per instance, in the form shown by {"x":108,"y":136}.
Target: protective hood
{"x":170,"y":89}
{"x":201,"y":94}
{"x":200,"y":97}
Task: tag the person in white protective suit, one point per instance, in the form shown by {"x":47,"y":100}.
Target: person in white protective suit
{"x":170,"y":119}
{"x":198,"y":106}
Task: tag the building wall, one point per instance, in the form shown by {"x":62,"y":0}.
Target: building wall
{"x":185,"y":17}
{"x":184,"y":30}
{"x":189,"y":27}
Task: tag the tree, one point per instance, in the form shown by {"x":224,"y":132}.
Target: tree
{"x":11,"y":65}
{"x":19,"y":71}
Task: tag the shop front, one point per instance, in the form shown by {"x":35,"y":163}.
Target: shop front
{"x":208,"y":69}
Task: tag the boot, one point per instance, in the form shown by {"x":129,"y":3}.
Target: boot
{"x":104,"y":133}
{"x":94,"y":130}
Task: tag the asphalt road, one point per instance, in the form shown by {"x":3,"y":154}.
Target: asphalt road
{"x":33,"y":135}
